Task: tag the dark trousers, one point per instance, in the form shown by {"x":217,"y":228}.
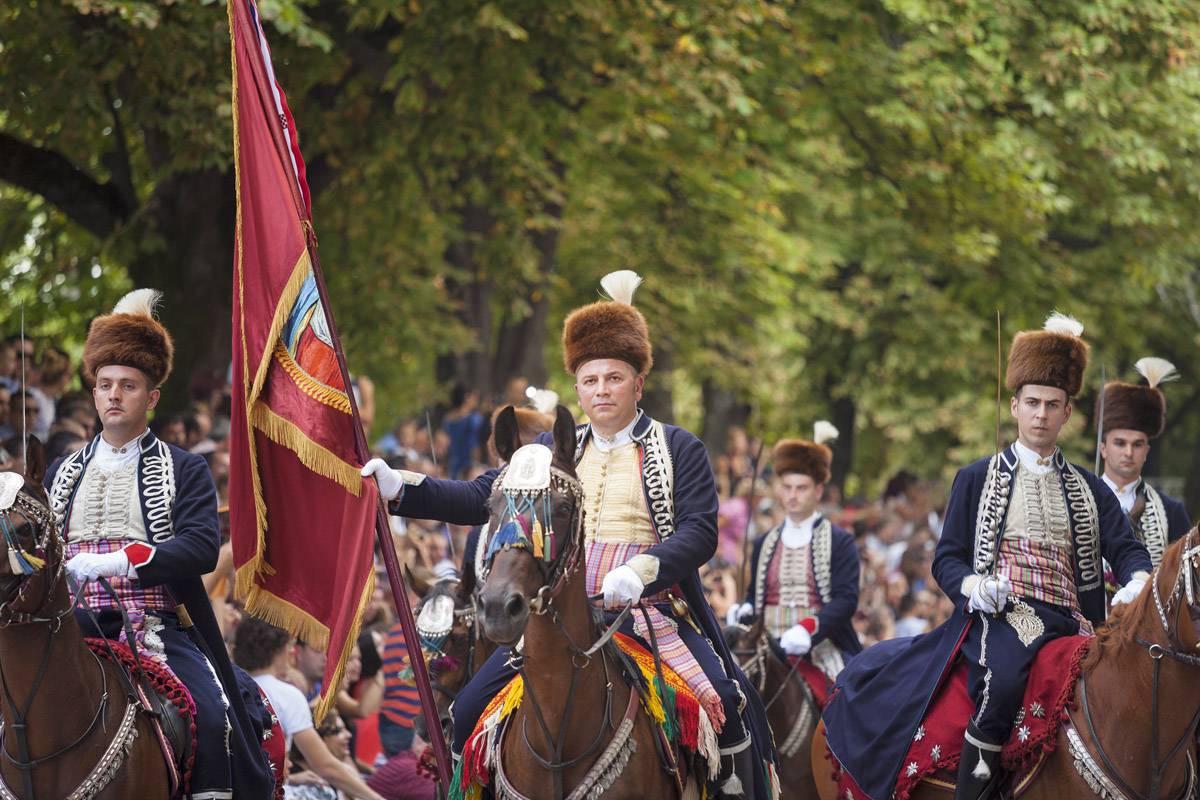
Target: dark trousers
{"x":211,"y":776}
{"x":999,"y":662}
{"x":496,"y":673}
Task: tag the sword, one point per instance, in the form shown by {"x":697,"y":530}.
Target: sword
{"x":1099,"y":423}
{"x":433,"y":455}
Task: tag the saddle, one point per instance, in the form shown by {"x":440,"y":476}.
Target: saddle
{"x":682,"y":724}
{"x":936,"y":748}
{"x":168,"y":703}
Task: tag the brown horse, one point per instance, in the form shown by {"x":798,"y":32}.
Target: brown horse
{"x":1131,"y":729}
{"x":792,"y":711}
{"x":76,"y":718}
{"x":574,"y":729}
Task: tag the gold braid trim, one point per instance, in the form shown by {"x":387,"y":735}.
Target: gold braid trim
{"x":314,"y":456}
{"x":313,"y":388}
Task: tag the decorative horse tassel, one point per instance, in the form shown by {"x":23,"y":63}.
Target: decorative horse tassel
{"x":509,"y":535}
{"x":536,"y":536}
{"x":982,"y":770}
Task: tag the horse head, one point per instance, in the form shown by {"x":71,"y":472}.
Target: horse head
{"x":533,"y":542}
{"x":31,"y":557}
{"x":1175,"y":592}
{"x":446,"y":624}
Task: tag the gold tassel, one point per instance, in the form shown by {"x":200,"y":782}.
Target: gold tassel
{"x":537,"y":538}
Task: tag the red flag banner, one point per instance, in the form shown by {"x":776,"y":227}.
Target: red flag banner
{"x":302,"y":519}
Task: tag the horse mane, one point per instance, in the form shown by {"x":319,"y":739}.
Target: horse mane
{"x":1125,"y":620}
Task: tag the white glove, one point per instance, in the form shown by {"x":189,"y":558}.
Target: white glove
{"x":1129,"y":592}
{"x":391,"y":481}
{"x":737,"y":612}
{"x":796,"y":641}
{"x":88,"y":566}
{"x":988,"y":593}
{"x":621,"y":586}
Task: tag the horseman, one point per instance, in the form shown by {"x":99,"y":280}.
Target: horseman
{"x":650,"y":522}
{"x":804,"y":573}
{"x":143,"y":514}
{"x":1022,"y":552}
{"x":1130,"y":416}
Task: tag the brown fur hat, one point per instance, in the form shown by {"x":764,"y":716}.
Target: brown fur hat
{"x":1054,"y":356}
{"x":132,"y":337}
{"x":807,"y":458}
{"x":609,"y":328}
{"x":1129,"y":406}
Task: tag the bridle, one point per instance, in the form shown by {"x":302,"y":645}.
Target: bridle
{"x":1184,"y":591}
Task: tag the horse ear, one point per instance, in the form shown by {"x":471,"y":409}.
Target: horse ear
{"x":506,"y":434}
{"x":564,"y":436}
{"x":419,"y":586}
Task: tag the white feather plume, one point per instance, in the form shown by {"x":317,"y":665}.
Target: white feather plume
{"x":139,"y":301}
{"x":544,"y":400}
{"x":621,"y":285}
{"x":1156,"y":370}
{"x":824,"y":431}
{"x":1062,"y":323}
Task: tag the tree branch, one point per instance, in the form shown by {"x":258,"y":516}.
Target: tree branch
{"x":97,"y":207}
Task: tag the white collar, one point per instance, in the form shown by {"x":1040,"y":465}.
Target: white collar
{"x":798,"y":534}
{"x":1033,"y":462}
{"x":110,"y":458}
{"x":1126,"y":495}
{"x":621,"y":437}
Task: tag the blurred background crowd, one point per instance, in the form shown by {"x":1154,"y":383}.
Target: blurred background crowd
{"x":372,"y":729}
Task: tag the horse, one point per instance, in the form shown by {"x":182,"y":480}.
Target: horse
{"x":792,"y":710}
{"x":69,"y":725}
{"x":579,"y":728}
{"x":450,"y":640}
{"x":1131,"y":728}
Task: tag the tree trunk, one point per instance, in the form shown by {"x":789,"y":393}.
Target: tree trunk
{"x":657,"y":400}
{"x":722,"y":410}
{"x":844,"y":414}
{"x":194,"y":213}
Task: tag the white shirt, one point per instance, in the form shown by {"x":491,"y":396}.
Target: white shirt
{"x":290,"y":706}
{"x":110,"y":458}
{"x":623,"y":436}
{"x":1126,"y":495}
{"x":799,"y":534}
{"x":1034,"y":462}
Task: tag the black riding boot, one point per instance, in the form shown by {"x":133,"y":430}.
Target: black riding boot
{"x":739,"y":775}
{"x":978,"y":771}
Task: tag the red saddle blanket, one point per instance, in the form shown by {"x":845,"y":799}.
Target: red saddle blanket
{"x":937,"y":745}
{"x":179,"y":746}
{"x":818,"y":682}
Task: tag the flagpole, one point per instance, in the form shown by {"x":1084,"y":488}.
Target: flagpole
{"x":386,"y":546}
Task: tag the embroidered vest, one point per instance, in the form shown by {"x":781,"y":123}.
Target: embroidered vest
{"x":1084,"y":518}
{"x":1150,"y":526}
{"x":791,"y":593}
{"x":107,"y":507}
{"x":1035,"y":551}
{"x":155,"y":496}
{"x":821,"y":548}
{"x":614,"y":504}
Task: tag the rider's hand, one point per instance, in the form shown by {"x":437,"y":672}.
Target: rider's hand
{"x":88,"y":566}
{"x":391,"y":481}
{"x":986,"y":593}
{"x":1129,"y":592}
{"x":796,"y":641}
{"x":738,"y":612}
{"x":622,"y":585}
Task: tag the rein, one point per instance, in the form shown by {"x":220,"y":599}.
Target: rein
{"x":1157,"y":652}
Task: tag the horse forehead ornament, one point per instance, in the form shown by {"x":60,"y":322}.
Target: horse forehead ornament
{"x":526,"y":485}
{"x":20,"y":561}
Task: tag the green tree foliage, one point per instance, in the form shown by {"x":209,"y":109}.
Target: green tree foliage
{"x":829,"y":202}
